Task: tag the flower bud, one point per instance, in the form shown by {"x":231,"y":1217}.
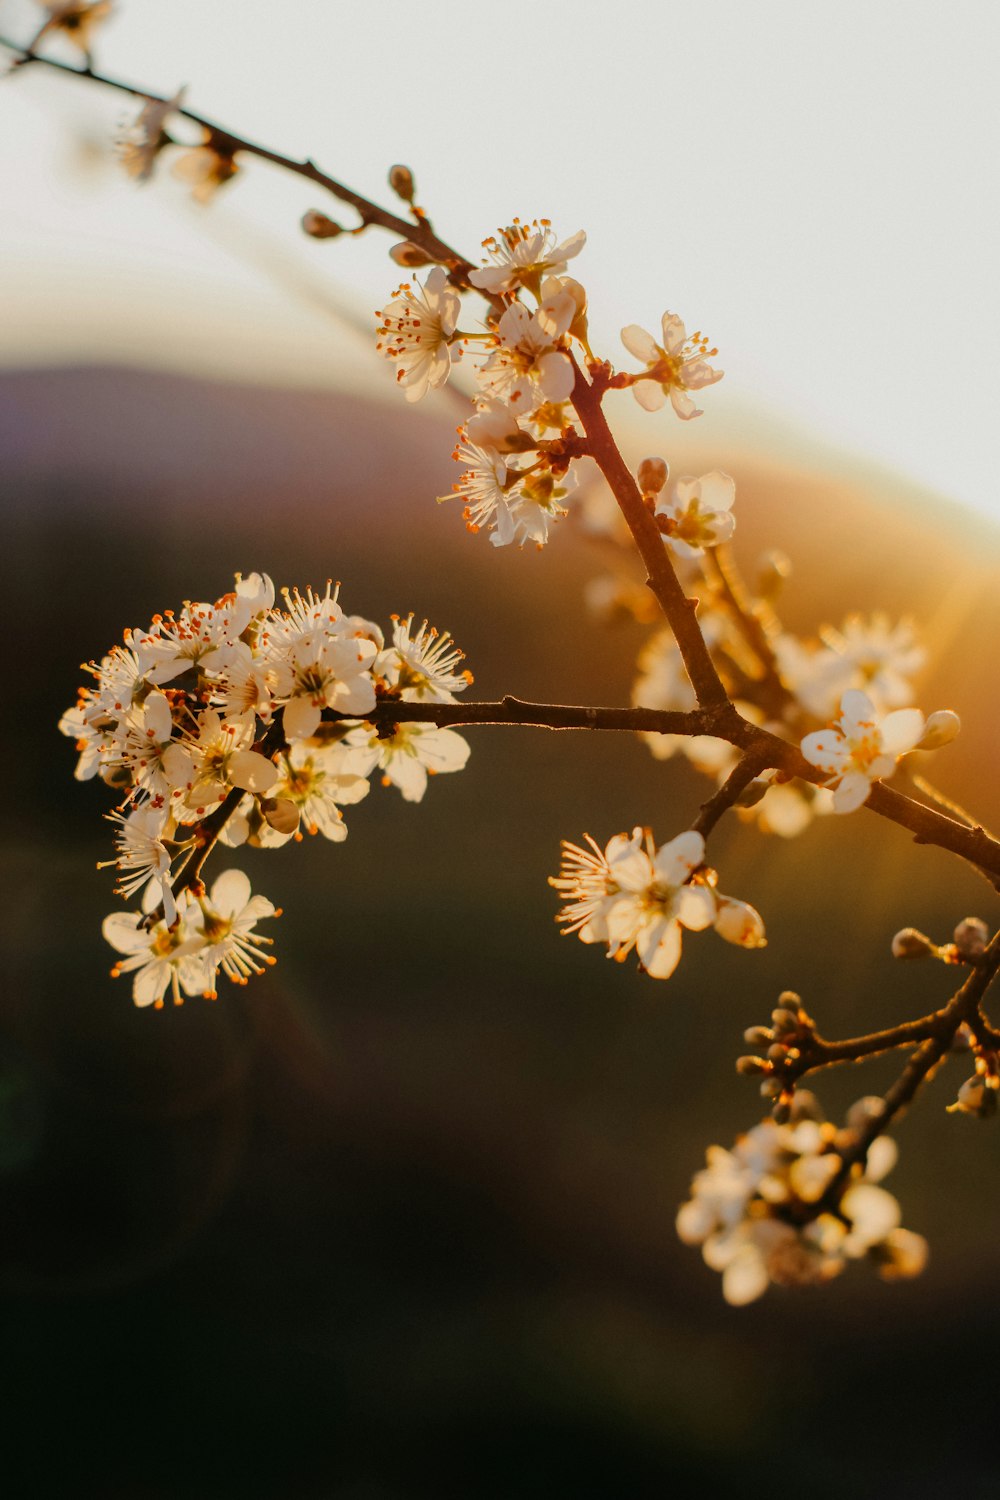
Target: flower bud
{"x":781,"y":1111}
{"x":902,"y":1253}
{"x":909,"y":943}
{"x":971,"y":937}
{"x":740,"y":923}
{"x":940,"y":729}
{"x":748,"y":1066}
{"x":758,"y":1036}
{"x":319,"y":226}
{"x":863,"y":1111}
{"x":652,"y":475}
{"x":409,"y":255}
{"x":752,"y":794}
{"x":776,"y":1053}
{"x":975,"y":1097}
{"x":402,"y":183}
{"x":773,"y":568}
{"x":771,"y":1088}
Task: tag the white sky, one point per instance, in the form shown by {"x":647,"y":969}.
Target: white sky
{"x":812,"y":182}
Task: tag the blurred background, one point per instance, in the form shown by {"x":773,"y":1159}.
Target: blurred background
{"x":397,"y":1219}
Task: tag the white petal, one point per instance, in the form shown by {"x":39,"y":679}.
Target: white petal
{"x":718,"y":490}
{"x":649,"y":395}
{"x":301,"y":718}
{"x":676,"y":860}
{"x":745,"y":1278}
{"x":852,"y":792}
{"x":826,"y":749}
{"x":230,"y":893}
{"x":857,"y":712}
{"x":252,"y":772}
{"x":639,"y":343}
{"x":659,"y":949}
{"x":901,"y":730}
{"x":683,"y":405}
{"x":695,"y":908}
{"x":555,"y":376}
{"x":157,"y":717}
{"x":674,"y":333}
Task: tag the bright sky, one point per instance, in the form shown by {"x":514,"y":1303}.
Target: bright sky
{"x":813,"y":184}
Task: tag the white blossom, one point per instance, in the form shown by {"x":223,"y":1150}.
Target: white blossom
{"x":408,"y":756}
{"x":673,"y":368}
{"x":523,"y":256}
{"x":526,"y":368}
{"x":759,"y":1212}
{"x":416,"y":331}
{"x":224,"y":921}
{"x":859,"y":749}
{"x":421,"y":665}
{"x":635,"y":897}
{"x":699,"y":514}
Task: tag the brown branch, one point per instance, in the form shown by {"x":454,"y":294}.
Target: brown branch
{"x":963,"y":1007}
{"x":508,"y":710}
{"x":417,"y":230}
{"x":749,"y":766}
{"x":662,"y":579}
{"x":753,"y":628}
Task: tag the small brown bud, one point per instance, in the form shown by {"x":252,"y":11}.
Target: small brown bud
{"x":749,"y":1066}
{"x":758,"y":1036}
{"x":776,"y":1053}
{"x":319,"y":226}
{"x":782,"y":1111}
{"x":909,"y":943}
{"x":409,"y":255}
{"x":652,"y":475}
{"x":971,"y":937}
{"x":771,"y":1088}
{"x":402,"y":183}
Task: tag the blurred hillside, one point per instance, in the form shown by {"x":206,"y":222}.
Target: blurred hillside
{"x":398,"y":1219}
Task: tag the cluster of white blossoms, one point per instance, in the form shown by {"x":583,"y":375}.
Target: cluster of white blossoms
{"x":855,"y":681}
{"x":244,"y":722}
{"x":514,"y":451}
{"x":635,"y":897}
{"x":782,"y":1207}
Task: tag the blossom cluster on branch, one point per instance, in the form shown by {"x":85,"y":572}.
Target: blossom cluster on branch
{"x":239,"y":722}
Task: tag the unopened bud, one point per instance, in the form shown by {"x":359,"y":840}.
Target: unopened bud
{"x":652,"y":475}
{"x":758,"y":1036}
{"x":971,"y":937}
{"x":748,"y":1066}
{"x":402,"y":183}
{"x":771,"y":1088}
{"x":902,"y":1253}
{"x":909,"y":943}
{"x":752,"y":794}
{"x":772,"y":570}
{"x":740,"y":923}
{"x":319,"y":226}
{"x":863,"y":1111}
{"x":781,"y":1112}
{"x":776,"y":1053}
{"x":805,"y":1106}
{"x":940,"y":729}
{"x":409,"y":255}
{"x":975,"y":1097}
